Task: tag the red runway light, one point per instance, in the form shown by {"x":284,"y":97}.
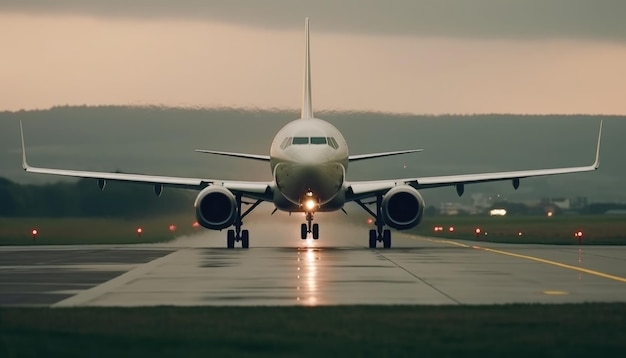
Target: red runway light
{"x":172,"y":227}
{"x":35,"y":232}
{"x":477,"y":231}
{"x":195,"y":225}
{"x":451,"y":229}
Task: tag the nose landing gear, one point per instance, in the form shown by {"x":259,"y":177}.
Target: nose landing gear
{"x":309,"y":227}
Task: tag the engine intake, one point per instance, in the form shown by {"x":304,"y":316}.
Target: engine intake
{"x":402,"y":207}
{"x":216,"y":208}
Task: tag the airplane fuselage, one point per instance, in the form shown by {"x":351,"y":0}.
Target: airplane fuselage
{"x":309,"y":159}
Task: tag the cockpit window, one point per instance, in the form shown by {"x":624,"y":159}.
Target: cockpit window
{"x":332,"y":142}
{"x":318,"y":140}
{"x":286,"y":142}
{"x":300,"y":140}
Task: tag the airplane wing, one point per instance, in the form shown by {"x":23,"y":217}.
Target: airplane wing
{"x":354,"y":158}
{"x":265,"y":158}
{"x":256,"y":190}
{"x":364,"y":189}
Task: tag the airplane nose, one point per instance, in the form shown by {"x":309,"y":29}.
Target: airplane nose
{"x":311,"y":156}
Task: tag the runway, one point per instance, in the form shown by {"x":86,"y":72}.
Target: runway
{"x":280,"y":269}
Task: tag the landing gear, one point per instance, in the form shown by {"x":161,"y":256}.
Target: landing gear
{"x":380,"y":234}
{"x":309,"y":227}
{"x":237,"y":234}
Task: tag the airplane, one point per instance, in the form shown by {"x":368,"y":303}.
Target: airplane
{"x":309,"y":161}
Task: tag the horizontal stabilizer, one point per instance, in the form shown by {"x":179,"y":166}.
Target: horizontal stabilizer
{"x":354,"y":158}
{"x":265,"y":158}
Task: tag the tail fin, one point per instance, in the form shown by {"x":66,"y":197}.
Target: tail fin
{"x":307,"y":107}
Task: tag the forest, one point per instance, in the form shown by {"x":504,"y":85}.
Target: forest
{"x":85,"y":199}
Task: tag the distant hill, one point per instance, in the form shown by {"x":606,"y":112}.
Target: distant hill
{"x":158,"y":140}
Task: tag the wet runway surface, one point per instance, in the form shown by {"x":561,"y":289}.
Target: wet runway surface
{"x":283,"y":270}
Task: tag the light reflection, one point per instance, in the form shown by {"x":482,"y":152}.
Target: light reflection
{"x":580,"y":262}
{"x":308,"y":285}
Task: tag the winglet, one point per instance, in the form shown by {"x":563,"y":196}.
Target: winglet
{"x":24,"y":163}
{"x":307,"y":107}
{"x":596,"y":164}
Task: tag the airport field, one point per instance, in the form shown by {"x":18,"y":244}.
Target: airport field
{"x":576,"y":330}
{"x":596,"y":229}
{"x":72,"y":231}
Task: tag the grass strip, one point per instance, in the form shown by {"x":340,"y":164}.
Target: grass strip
{"x":572,"y":330}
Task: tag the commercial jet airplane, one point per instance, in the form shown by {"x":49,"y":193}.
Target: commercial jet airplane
{"x":309,"y":161}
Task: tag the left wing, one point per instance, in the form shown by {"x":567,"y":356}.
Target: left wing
{"x":358,"y":190}
{"x":257,"y":190}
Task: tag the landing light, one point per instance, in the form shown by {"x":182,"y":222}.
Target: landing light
{"x":310,"y":204}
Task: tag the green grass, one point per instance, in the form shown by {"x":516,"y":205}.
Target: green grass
{"x":389,"y":331}
{"x":597,"y":229}
{"x":53,"y":231}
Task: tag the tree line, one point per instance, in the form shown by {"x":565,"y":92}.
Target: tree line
{"x":85,"y":199}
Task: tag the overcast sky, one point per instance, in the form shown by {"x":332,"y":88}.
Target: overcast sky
{"x":444,"y":56}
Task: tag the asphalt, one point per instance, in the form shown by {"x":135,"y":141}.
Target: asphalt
{"x":280,"y":269}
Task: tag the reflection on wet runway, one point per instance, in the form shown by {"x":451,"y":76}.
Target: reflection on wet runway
{"x":338,"y":269}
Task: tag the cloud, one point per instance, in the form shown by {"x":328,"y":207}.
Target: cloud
{"x":521,"y":19}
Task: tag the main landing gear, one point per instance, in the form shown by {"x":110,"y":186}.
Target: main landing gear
{"x":380,"y":234}
{"x":238,"y":235}
{"x":308,"y":227}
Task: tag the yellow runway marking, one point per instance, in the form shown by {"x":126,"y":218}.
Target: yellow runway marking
{"x":556,"y":293}
{"x":536,"y":259}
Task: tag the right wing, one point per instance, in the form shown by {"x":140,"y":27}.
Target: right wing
{"x":365,"y":189}
{"x":257,"y":190}
{"x":265,"y":158}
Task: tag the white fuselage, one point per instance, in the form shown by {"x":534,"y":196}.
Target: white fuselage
{"x":309,"y":159}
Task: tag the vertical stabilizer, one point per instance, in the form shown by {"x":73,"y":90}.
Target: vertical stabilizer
{"x":307,"y":107}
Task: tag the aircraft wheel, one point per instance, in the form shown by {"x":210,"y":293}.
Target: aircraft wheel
{"x":316,"y":231}
{"x":230,"y":239}
{"x":245,"y":239}
{"x":372,"y":239}
{"x":303,"y":231}
{"x":387,"y":239}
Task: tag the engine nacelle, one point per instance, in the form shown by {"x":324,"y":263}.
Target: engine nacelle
{"x":216,"y":208}
{"x":402,"y":207}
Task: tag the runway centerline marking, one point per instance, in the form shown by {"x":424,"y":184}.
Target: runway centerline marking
{"x":536,"y":259}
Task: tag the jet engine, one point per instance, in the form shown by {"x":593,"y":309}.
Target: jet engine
{"x":402,"y":207}
{"x":216,"y":208}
